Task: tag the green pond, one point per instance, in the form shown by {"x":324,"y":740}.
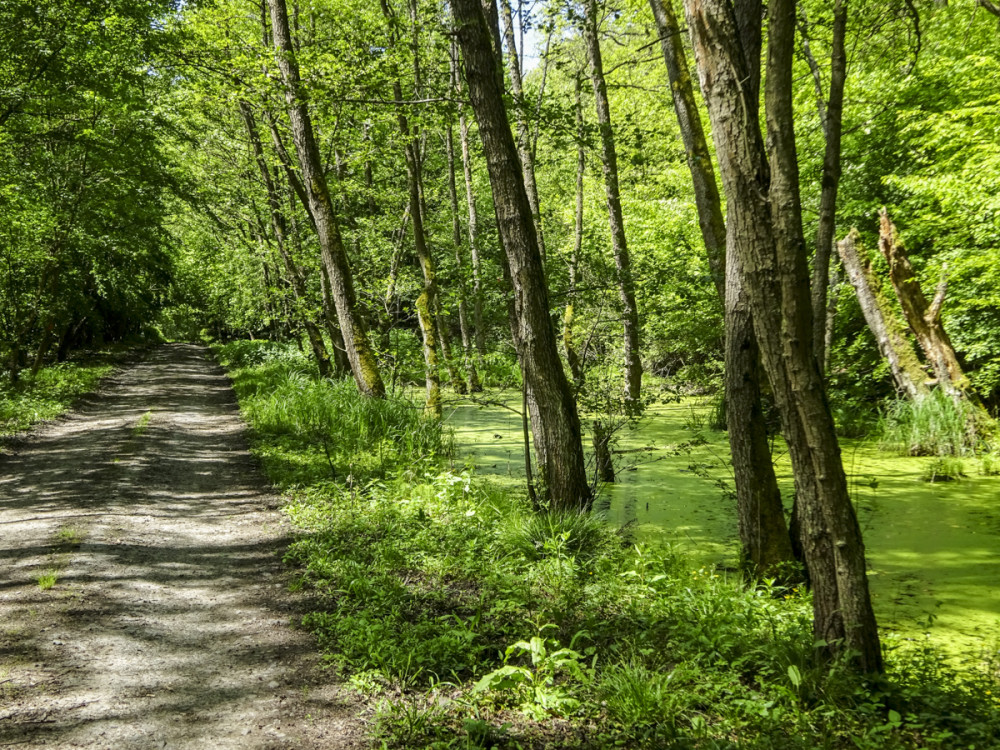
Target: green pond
{"x":933,"y":548}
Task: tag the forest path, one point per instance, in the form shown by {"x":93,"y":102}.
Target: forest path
{"x":168,"y":624}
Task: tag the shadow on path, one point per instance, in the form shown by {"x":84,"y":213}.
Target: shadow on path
{"x":168,"y":623}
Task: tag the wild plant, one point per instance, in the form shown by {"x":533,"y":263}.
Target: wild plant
{"x":935,"y":425}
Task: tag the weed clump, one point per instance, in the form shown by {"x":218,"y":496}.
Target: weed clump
{"x":310,"y":429}
{"x":933,"y":426}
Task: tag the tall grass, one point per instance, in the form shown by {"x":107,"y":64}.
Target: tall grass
{"x":356,"y":433}
{"x":310,"y":429}
{"x":933,"y":426}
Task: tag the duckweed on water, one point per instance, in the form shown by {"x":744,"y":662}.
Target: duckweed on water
{"x":474,"y":622}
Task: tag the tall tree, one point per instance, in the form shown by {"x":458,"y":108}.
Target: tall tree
{"x":554,"y":420}
{"x":456,"y":237}
{"x":616,"y":218}
{"x":763,"y":532}
{"x":524,"y":149}
{"x":334,"y":255}
{"x":764,"y":229}
{"x":833,"y":117}
{"x":427,"y":301}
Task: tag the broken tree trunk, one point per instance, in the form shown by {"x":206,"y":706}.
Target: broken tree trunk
{"x":892,"y":341}
{"x":923,"y":317}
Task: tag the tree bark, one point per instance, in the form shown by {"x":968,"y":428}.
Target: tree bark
{"x":554,"y":419}
{"x":830,"y":181}
{"x":572,"y":357}
{"x":456,"y":236}
{"x":892,"y":342}
{"x":923,"y":317}
{"x":473,"y":228}
{"x":764,"y":534}
{"x":699,"y":159}
{"x":524,"y":149}
{"x":766,"y":235}
{"x":619,"y":245}
{"x":604,"y":466}
{"x":363,"y":363}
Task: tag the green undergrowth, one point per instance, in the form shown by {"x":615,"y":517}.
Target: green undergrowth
{"x":309,"y":430}
{"x":474,"y":621}
{"x":49,"y":393}
{"x":933,"y":426}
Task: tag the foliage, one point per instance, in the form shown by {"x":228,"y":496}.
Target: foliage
{"x":48,"y":393}
{"x":507,"y":628}
{"x":936,"y":425}
{"x":84,"y":255}
{"x":303,"y":423}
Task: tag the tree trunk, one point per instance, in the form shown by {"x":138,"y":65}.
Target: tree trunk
{"x":572,"y":358}
{"x":764,"y":534}
{"x":524,"y":149}
{"x":43,"y":345}
{"x":699,"y":159}
{"x":477,"y":273}
{"x":555,"y":422}
{"x":609,"y":160}
{"x":456,"y":235}
{"x":923,"y":317}
{"x":766,"y":235}
{"x":279,"y":227}
{"x":341,"y":362}
{"x":892,"y":342}
{"x":604,"y":467}
{"x":764,"y":538}
{"x":334,"y":256}
{"x":426,"y":303}
{"x":830,"y":182}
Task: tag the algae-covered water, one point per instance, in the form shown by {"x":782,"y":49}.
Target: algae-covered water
{"x":933,"y":548}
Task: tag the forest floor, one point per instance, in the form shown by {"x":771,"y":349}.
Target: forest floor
{"x":143,"y":602}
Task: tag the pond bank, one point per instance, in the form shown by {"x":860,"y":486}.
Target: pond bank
{"x":933,"y":548}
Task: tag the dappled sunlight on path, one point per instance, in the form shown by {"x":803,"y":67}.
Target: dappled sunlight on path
{"x":168,"y":621}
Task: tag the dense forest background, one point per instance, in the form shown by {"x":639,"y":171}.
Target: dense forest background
{"x":132,"y":198}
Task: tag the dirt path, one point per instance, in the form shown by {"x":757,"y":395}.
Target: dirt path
{"x":168,"y":623}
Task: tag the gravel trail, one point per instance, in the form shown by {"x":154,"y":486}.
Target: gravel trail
{"x":168,"y":625}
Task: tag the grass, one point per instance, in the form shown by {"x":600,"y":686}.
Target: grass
{"x":69,"y":536}
{"x":476,"y":622}
{"x":48,"y":394}
{"x":142,"y":424}
{"x":944,"y":469}
{"x":933,"y":426}
{"x":310,"y":430}
{"x":47,"y":579}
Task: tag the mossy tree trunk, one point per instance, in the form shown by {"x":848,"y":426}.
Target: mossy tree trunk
{"x":616,"y":219}
{"x":892,"y":341}
{"x":364,"y":366}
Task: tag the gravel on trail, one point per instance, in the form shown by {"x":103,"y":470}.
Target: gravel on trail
{"x":168,"y":622}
